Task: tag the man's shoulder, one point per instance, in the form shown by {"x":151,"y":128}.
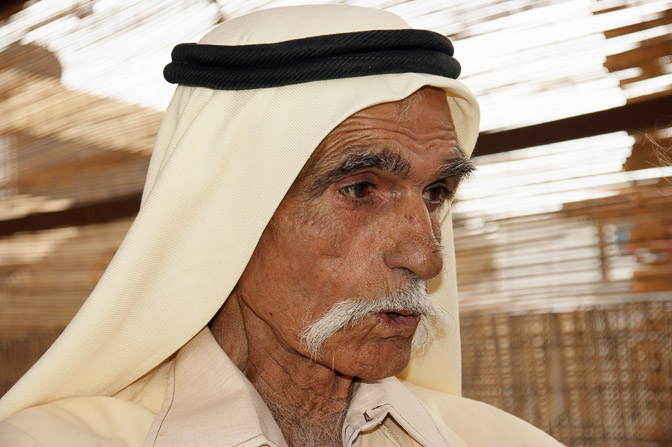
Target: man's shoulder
{"x":81,"y":421}
{"x":478,"y":423}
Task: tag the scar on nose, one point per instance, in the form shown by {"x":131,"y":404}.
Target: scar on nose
{"x":410,"y":218}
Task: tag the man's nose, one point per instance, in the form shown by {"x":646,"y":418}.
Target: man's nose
{"x":416,"y":240}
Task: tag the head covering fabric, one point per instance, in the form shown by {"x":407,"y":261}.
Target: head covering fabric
{"x":222,"y":163}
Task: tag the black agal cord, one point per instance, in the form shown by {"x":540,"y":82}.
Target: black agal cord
{"x":318,"y":58}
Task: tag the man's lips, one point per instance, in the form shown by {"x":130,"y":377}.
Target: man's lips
{"x":402,"y":313}
{"x":401,"y":322}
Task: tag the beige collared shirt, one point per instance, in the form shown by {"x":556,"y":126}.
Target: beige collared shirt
{"x":225,"y":405}
{"x":200,"y":398}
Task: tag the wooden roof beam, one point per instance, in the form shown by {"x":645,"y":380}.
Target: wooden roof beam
{"x":654,"y":113}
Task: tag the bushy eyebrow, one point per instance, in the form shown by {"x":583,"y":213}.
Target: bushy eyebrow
{"x":385,"y":160}
{"x":455,"y":168}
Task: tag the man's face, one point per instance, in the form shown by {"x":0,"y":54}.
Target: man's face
{"x":361,"y":220}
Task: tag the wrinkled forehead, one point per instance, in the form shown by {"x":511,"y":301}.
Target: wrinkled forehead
{"x":421,"y":116}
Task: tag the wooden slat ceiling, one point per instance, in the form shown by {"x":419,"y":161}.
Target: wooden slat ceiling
{"x":518,"y":56}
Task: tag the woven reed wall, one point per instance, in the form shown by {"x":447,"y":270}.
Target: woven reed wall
{"x":18,"y":354}
{"x":598,"y":377}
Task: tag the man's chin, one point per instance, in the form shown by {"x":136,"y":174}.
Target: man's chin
{"x":375,"y":360}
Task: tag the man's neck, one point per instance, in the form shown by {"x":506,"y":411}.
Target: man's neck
{"x":308,"y":400}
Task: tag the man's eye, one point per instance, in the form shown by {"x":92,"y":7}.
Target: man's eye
{"x":357,"y":190}
{"x":436,"y":194}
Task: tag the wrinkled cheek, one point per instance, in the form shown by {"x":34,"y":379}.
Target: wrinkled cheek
{"x":322,"y":234}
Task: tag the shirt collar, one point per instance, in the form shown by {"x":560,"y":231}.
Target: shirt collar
{"x":209,"y":400}
{"x":374,"y":401}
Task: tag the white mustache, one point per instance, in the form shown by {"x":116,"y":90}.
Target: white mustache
{"x":412,"y":298}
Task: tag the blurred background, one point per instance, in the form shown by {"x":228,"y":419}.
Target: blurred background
{"x":563,"y":236}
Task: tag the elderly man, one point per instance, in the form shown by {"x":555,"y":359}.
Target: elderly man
{"x":279,"y":273}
